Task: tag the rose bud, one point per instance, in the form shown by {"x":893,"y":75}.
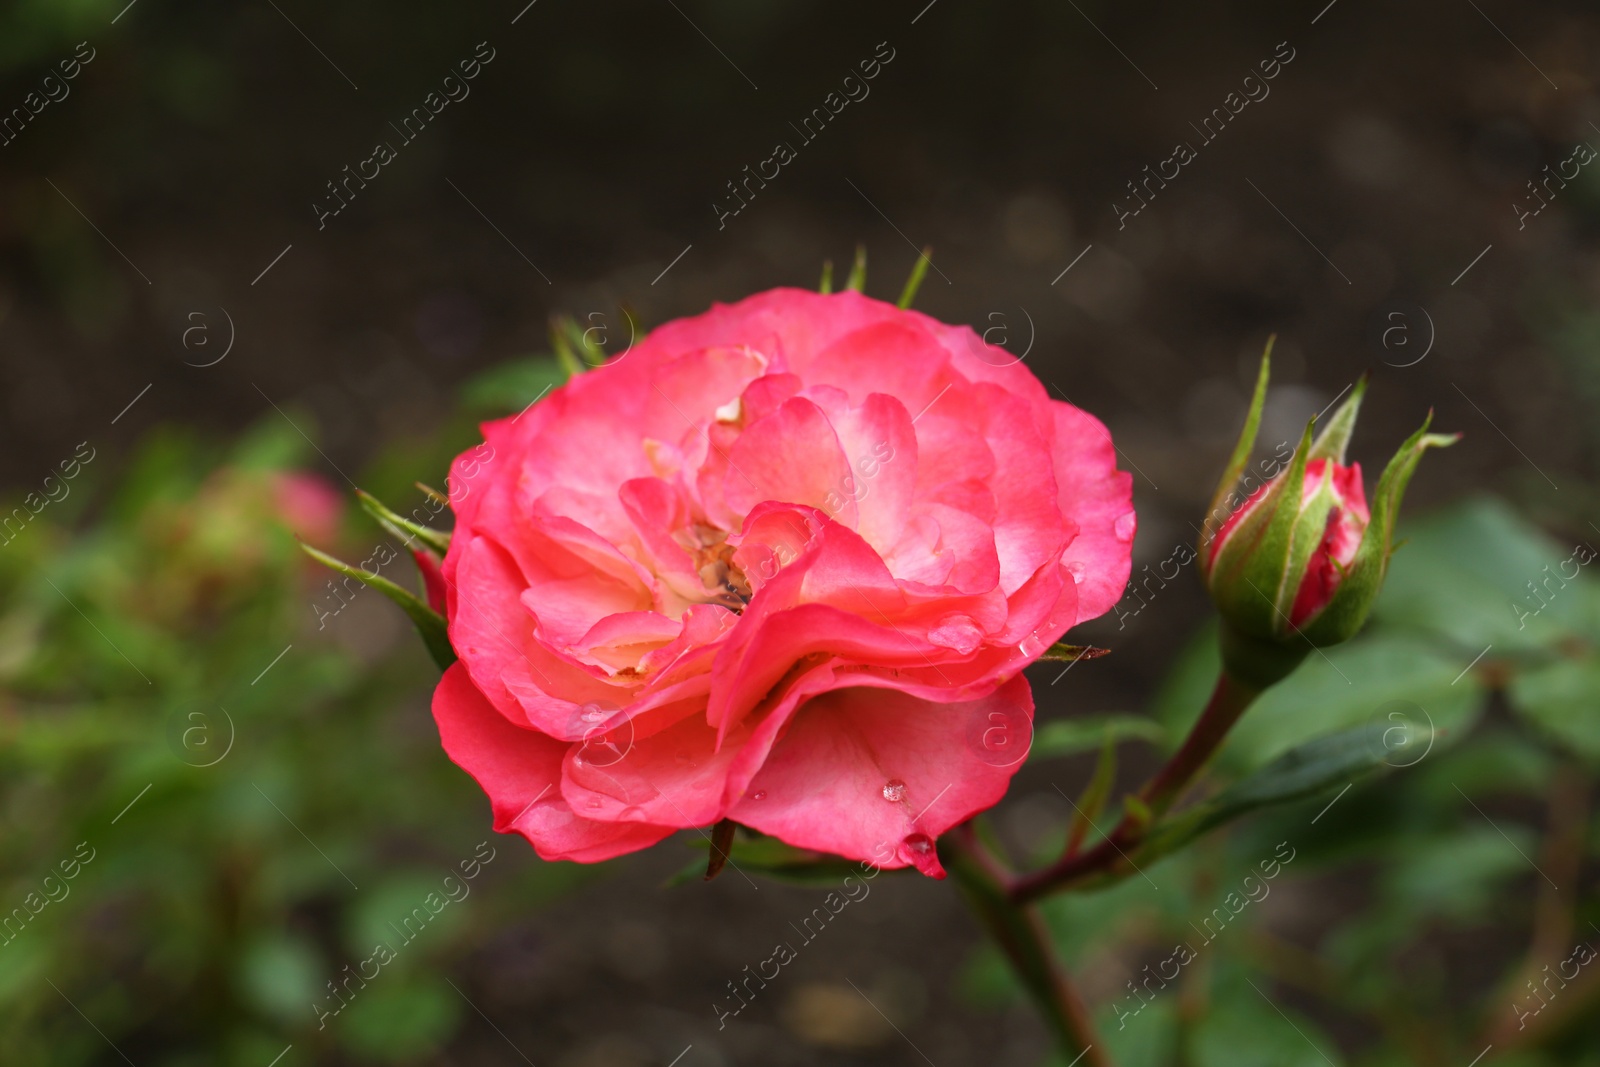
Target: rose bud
{"x":1299,"y":562}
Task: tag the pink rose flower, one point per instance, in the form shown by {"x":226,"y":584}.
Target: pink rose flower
{"x":781,"y":563}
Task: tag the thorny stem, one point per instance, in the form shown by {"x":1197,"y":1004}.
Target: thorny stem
{"x":1021,"y":934}
{"x":1228,"y":701}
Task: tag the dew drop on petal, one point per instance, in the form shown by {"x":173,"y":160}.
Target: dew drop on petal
{"x":594,"y":803}
{"x":1076,"y":569}
{"x":1031,"y":645}
{"x":894,"y":790}
{"x":917,"y":844}
{"x":759,"y":794}
{"x":957,"y":631}
{"x":1124,"y":527}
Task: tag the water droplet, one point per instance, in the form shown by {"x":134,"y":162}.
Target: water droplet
{"x":759,"y":794}
{"x":917,"y":844}
{"x":894,"y":790}
{"x":594,"y":802}
{"x":957,"y":631}
{"x":592,"y":713}
{"x":578,"y":760}
{"x":1031,"y":645}
{"x":1124,"y":527}
{"x":1076,"y":569}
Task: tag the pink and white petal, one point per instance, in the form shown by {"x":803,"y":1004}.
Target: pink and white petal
{"x":674,"y":777}
{"x":880,"y":446}
{"x":878,"y":775}
{"x":787,"y":325}
{"x":520,"y":771}
{"x":945,"y":547}
{"x":488,"y":626}
{"x":899,"y":358}
{"x":792,"y":456}
{"x":1098,"y":498}
{"x":1028,"y":526}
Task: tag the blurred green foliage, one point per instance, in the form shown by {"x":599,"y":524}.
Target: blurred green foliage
{"x":233,"y":770}
{"x":1423,"y":898}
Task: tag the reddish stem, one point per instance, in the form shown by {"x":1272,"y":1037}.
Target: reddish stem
{"x":1228,"y":701}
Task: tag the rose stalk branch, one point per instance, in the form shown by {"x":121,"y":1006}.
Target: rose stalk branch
{"x":1228,"y":701}
{"x":1021,"y":934}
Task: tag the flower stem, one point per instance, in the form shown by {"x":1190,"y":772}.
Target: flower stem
{"x":1021,"y":934}
{"x":1228,"y":701}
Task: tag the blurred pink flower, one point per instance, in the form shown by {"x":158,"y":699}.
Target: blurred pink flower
{"x":309,"y":506}
{"x":781,"y":563}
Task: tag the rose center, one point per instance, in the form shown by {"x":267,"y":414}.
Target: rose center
{"x":724,"y":582}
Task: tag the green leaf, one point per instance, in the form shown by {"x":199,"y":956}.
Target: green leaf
{"x":1243,"y":1028}
{"x":429,"y":623}
{"x":401,"y":528}
{"x":280,"y":975}
{"x":826,"y":286}
{"x":513,"y":385}
{"x":1455,"y":876}
{"x":919,"y":268}
{"x":1463,"y":574}
{"x":1317,"y":767}
{"x":1366,"y":680}
{"x":398,"y":1018}
{"x":1138,"y":1036}
{"x":1562,"y":701}
{"x":1068,"y":737}
{"x":858,"y":271}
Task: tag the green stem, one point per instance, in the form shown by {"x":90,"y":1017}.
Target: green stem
{"x":1228,"y":701}
{"x":1021,"y":934}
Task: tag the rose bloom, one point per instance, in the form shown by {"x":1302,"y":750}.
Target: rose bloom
{"x":780,"y":563}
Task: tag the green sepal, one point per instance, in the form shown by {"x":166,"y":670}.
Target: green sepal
{"x":1363,"y":579}
{"x":1249,"y":567}
{"x":1061,"y":652}
{"x":1335,"y":436}
{"x":1260,"y":662}
{"x":858,"y":271}
{"x":586,"y":347}
{"x":919,"y":270}
{"x":826,"y":286}
{"x":1236,"y":462}
{"x":401,"y":528}
{"x":562,"y":346}
{"x":1309,"y":529}
{"x":429,"y":623}
{"x":749,"y":851}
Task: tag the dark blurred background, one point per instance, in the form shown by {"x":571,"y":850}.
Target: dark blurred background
{"x":168,"y":297}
